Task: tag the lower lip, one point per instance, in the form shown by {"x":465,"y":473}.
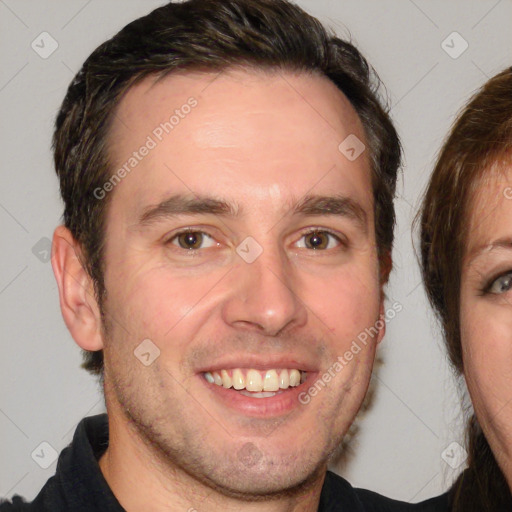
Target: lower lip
{"x":279,"y":404}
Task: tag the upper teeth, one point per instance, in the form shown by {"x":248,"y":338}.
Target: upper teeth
{"x":254,"y":380}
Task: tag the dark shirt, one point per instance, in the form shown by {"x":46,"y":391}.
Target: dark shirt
{"x":79,"y":486}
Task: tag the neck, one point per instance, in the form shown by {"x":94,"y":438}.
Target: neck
{"x":141,"y":480}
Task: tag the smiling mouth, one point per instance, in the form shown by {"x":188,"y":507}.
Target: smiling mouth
{"x":256,"y":383}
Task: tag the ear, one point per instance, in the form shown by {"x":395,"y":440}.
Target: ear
{"x":385,"y":266}
{"x":76,"y":291}
{"x":382,"y":320}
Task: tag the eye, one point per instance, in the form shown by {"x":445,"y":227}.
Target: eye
{"x":189,"y":239}
{"x":316,"y":239}
{"x":501,"y":284}
{"x":319,"y":239}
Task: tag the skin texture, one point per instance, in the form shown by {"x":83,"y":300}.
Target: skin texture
{"x":263,"y":141}
{"x":486,"y":314}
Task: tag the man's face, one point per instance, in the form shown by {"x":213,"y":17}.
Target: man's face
{"x":210,"y":301}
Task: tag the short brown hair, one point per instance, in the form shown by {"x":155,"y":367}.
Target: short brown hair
{"x":208,"y":35}
{"x":480,"y":138}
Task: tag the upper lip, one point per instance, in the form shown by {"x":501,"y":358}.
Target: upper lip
{"x":260,"y":362}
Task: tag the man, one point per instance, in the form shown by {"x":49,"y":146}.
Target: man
{"x":228,"y":178}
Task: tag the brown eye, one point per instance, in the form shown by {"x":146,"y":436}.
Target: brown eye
{"x":320,"y":240}
{"x":191,"y":240}
{"x":317,"y":240}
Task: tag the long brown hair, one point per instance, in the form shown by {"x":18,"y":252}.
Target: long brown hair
{"x":480,"y":138}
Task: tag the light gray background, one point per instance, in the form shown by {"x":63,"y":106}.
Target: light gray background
{"x":45,"y":393}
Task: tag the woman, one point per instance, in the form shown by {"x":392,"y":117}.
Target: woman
{"x":466,"y":258}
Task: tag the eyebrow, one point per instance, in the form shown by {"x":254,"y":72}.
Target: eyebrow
{"x":501,"y":243}
{"x":310,"y":205}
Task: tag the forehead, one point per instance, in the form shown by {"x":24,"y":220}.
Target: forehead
{"x":489,"y":208}
{"x":262,"y":134}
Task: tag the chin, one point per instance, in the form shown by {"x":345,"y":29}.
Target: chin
{"x":253,"y":476}
{"x":262,"y":485}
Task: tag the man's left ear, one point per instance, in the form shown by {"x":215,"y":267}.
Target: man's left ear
{"x":381,"y":320}
{"x":385,"y":265}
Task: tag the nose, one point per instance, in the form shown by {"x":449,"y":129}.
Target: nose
{"x":264,"y":296}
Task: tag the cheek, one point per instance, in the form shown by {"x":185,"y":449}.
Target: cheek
{"x":347,"y":301}
{"x":486,"y":335}
{"x":155,"y":302}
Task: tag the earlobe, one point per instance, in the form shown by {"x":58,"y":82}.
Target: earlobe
{"x":76,"y":292}
{"x":385,"y":266}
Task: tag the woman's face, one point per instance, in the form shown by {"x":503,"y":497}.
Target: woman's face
{"x":486,"y":313}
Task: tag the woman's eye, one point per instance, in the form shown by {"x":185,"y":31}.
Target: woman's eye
{"x":502,"y":284}
{"x":192,"y":240}
{"x":320,"y":240}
